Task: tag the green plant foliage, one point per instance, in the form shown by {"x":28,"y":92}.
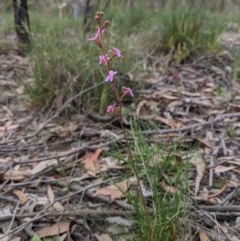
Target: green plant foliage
{"x":184,"y":31}
{"x":36,"y":238}
{"x":57,"y":64}
{"x":189,"y":32}
{"x":65,"y":64}
{"x":129,"y":20}
{"x":6,"y":23}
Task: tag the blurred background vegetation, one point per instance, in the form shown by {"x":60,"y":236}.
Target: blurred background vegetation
{"x":65,"y":64}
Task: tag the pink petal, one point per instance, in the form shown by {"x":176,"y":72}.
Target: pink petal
{"x":111,"y":75}
{"x":117,"y":52}
{"x":127,"y":91}
{"x":111,"y":108}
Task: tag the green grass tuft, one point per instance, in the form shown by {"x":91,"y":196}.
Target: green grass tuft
{"x":159,"y":168}
{"x":185,"y":32}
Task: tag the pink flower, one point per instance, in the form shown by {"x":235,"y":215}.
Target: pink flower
{"x":103,"y":59}
{"x":94,"y":38}
{"x":100,"y":31}
{"x":111,"y":76}
{"x":117,"y":52}
{"x":127,"y":91}
{"x":111,"y":108}
{"x":98,"y":36}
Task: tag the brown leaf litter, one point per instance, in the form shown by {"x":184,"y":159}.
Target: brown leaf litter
{"x":55,"y":179}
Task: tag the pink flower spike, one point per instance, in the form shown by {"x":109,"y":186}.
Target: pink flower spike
{"x":111,"y":108}
{"x":117,"y":52}
{"x":111,"y":76}
{"x":127,"y":91}
{"x":103,"y":60}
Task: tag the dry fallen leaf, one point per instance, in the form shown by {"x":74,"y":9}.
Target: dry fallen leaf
{"x":159,"y":94}
{"x":91,"y":163}
{"x":202,"y":195}
{"x":54,"y":229}
{"x":57,"y":205}
{"x":202,"y":102}
{"x":198,"y":161}
{"x":3,"y":237}
{"x":233,"y":183}
{"x":114,"y":191}
{"x":51,"y":195}
{"x":9,"y":112}
{"x":205,"y":142}
{"x":21,"y":195}
{"x":207,"y":90}
{"x":171,"y":106}
{"x":237,"y":171}
{"x":236,"y":162}
{"x":168,"y":188}
{"x":144,"y":108}
{"x":6,"y":159}
{"x":218,"y":192}
{"x":8,"y":126}
{"x":110,"y":163}
{"x":43,"y":165}
{"x":203,"y":236}
{"x":17,"y":175}
{"x":103,"y":237}
{"x":221,"y":169}
{"x":120,"y":221}
{"x":168,"y":122}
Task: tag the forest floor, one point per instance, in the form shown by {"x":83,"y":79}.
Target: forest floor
{"x":51,"y":170}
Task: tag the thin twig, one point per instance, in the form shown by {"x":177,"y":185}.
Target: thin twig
{"x":76,"y":213}
{"x":13,"y":217}
{"x":8,"y":199}
{"x":193,"y":126}
{"x":229,"y":197}
{"x":219,"y":208}
{"x":212,"y":163}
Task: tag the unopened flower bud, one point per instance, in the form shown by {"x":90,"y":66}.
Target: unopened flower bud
{"x":100,"y":13}
{"x":105,"y":24}
{"x":98,"y":19}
